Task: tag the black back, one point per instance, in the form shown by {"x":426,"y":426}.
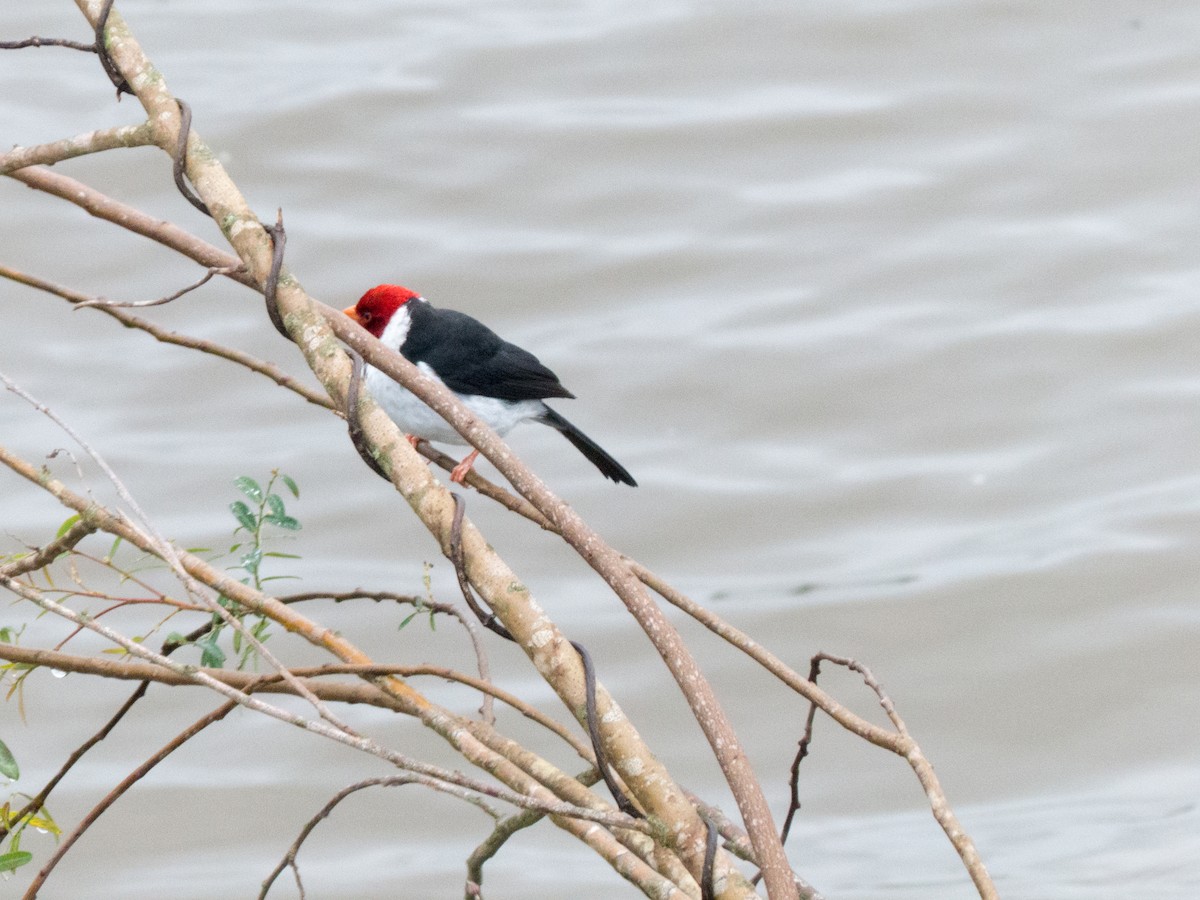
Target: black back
{"x":472,"y":359}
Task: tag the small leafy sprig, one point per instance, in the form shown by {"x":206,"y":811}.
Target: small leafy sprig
{"x":269,"y":509}
{"x":11,"y":855}
{"x":265,"y":508}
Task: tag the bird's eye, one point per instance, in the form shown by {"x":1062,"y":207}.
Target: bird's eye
{"x":365,"y":316}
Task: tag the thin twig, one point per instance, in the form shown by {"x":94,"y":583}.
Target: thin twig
{"x":158,"y":301}
{"x":505,"y":829}
{"x":43,"y":556}
{"x":447,"y":609}
{"x":47,"y":42}
{"x":801,"y":752}
{"x":289,"y":858}
{"x":856,"y":724}
{"x":163,"y":335}
{"x":377,"y":596}
{"x":901,"y":743}
{"x":940,"y":806}
{"x":126,"y":783}
{"x":39,"y":800}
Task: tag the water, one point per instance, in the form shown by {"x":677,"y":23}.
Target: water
{"x":890,"y":308}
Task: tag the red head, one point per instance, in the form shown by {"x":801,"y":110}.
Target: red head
{"x":377,"y":306}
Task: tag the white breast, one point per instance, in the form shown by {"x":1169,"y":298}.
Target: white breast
{"x":412,"y":415}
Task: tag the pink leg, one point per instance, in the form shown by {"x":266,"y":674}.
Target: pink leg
{"x":459,"y":473}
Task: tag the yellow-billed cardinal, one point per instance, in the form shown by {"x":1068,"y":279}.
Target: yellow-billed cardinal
{"x":498,"y":381}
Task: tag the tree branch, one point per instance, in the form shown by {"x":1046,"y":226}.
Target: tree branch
{"x":129,"y":320}
{"x":129,"y":781}
{"x":139,"y":135}
{"x":103,"y":207}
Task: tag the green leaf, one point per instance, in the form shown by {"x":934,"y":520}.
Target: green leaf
{"x":408,"y":619}
{"x":278,"y":555}
{"x":242,"y":513}
{"x":251,"y":560}
{"x":286,"y":522}
{"x":11,"y":861}
{"x":275,"y":502}
{"x":211,"y":655}
{"x":66,"y":525}
{"x":8,"y":763}
{"x":291,"y":485}
{"x":249,"y":487}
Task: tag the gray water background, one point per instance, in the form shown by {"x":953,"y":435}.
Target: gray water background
{"x":891,"y":308}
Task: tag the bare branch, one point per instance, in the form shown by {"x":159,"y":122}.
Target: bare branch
{"x":505,"y":829}
{"x":102,"y":207}
{"x":337,"y":692}
{"x":129,"y":781}
{"x":44,"y":556}
{"x":448,"y":609}
{"x":198,"y":676}
{"x":47,"y":42}
{"x":881,"y":737}
{"x":158,"y":301}
{"x":942,"y":812}
{"x":899,"y":742}
{"x":270,"y":370}
{"x":35,"y":803}
{"x":289,"y":858}
{"x":140,"y":135}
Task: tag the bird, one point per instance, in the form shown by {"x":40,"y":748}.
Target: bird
{"x":499,"y":382}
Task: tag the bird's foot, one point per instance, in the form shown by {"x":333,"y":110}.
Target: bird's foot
{"x":459,"y":473}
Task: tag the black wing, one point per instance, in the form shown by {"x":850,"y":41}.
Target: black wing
{"x":472,"y":359}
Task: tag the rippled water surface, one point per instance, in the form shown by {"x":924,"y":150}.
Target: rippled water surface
{"x":891,"y":308}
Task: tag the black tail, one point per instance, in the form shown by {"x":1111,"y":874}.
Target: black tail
{"x":589,"y":448}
